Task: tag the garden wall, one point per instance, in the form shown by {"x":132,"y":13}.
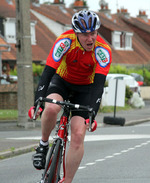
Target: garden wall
{"x":145,"y":92}
{"x":8,"y":96}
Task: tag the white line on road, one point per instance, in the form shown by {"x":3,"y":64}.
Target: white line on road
{"x":93,"y":137}
{"x":116,"y":154}
{"x":91,"y":163}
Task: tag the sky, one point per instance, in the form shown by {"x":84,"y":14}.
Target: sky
{"x":133,"y":6}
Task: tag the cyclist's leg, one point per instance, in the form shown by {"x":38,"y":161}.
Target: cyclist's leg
{"x":49,"y":116}
{"x":57,"y":91}
{"x":48,"y":122}
{"x":76,"y":148}
{"x":81,"y":96}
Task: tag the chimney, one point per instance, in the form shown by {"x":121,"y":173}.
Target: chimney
{"x":142,"y":15}
{"x":80,"y":4}
{"x":104,"y":8}
{"x":118,"y":11}
{"x":123,"y":12}
{"x":58,"y":2}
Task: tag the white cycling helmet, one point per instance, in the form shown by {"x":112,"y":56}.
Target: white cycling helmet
{"x":85,"y":21}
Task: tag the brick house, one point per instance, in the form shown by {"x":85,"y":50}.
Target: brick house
{"x":128,"y":37}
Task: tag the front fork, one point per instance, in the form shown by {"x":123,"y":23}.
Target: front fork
{"x":63,"y":134}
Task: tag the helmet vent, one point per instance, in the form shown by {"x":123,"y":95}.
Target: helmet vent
{"x":78,"y":24}
{"x":80,"y":15}
{"x":89,"y":13}
{"x":94,"y":25}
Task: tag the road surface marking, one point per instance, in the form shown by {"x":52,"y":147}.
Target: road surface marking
{"x":117,"y":154}
{"x":89,"y":138}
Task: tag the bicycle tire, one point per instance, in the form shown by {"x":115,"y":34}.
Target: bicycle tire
{"x":54,"y":168}
{"x":48,"y":163}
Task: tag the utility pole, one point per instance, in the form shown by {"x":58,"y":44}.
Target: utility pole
{"x":24,"y":62}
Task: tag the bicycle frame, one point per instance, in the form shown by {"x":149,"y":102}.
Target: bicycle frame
{"x":63,"y":135}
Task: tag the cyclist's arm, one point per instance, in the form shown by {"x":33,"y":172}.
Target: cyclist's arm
{"x":97,"y":91}
{"x":44,"y":82}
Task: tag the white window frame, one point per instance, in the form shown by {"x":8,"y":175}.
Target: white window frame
{"x":33,"y":32}
{"x":10,"y":30}
{"x":128,"y":41}
{"x":116,"y":40}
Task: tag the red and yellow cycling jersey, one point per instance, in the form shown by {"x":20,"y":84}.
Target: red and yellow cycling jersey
{"x":74,"y":64}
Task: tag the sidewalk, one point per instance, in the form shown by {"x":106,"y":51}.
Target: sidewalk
{"x":16,"y":140}
{"x":132,"y":117}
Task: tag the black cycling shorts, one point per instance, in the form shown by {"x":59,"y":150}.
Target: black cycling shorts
{"x":80,"y":94}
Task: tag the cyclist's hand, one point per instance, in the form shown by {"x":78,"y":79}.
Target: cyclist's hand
{"x":94,"y":124}
{"x":32,"y":110}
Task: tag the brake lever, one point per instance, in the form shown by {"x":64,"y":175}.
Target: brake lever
{"x":37,"y":108}
{"x":91,"y":114}
{"x":90,"y":123}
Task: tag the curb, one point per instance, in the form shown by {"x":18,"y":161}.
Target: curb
{"x":134,"y":122}
{"x":17,"y":151}
{"x":127,"y":123}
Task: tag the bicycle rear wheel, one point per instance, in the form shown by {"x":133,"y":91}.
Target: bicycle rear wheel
{"x":52,"y":170}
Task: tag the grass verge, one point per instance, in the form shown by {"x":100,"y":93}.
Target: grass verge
{"x":8,"y":114}
{"x":13,"y":114}
{"x":110,"y":109}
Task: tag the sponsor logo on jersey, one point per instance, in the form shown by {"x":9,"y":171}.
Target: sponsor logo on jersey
{"x":60,"y":48}
{"x":102,"y":56}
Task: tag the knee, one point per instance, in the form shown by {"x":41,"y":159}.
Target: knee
{"x":51,"y":110}
{"x":77,"y":140}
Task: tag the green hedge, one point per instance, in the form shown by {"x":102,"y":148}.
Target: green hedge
{"x":144,"y":71}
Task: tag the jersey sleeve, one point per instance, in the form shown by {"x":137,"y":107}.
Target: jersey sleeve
{"x":104,"y":59}
{"x":60,"y":47}
{"x":103,"y":56}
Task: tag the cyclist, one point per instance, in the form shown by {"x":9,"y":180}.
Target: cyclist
{"x":77,"y":63}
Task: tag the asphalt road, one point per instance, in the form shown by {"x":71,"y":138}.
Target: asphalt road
{"x":112,"y":155}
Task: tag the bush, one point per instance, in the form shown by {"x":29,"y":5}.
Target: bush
{"x":129,"y":94}
{"x":37,"y":69}
{"x":118,"y":69}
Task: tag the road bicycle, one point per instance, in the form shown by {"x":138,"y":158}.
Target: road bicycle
{"x":54,"y":171}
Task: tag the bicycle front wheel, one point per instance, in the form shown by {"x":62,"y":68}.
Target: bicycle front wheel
{"x":52,"y":171}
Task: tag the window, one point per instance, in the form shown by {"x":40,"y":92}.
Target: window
{"x":128,"y":40}
{"x":33,"y":38}
{"x":116,"y":39}
{"x":10,"y":31}
{"x":122,"y":40}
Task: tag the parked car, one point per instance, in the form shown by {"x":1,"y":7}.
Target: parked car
{"x":129,"y":80}
{"x":138,"y":78}
{"x":4,"y":82}
{"x":8,"y":79}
